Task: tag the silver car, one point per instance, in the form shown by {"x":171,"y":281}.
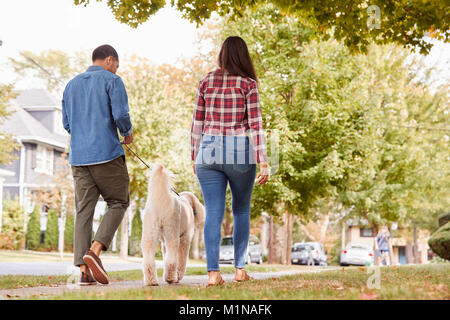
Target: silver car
{"x":357,"y":254}
{"x":309,"y":253}
{"x":254,"y":251}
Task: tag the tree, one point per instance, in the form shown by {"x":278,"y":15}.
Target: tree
{"x":311,"y":101}
{"x":51,"y":233}
{"x":33,"y":235}
{"x":356,"y":23}
{"x":55,"y":67}
{"x":8,"y":145}
{"x":136,"y":234}
{"x":13,"y":232}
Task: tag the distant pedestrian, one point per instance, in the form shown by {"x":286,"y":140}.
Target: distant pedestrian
{"x":94,"y":106}
{"x":382,"y":244}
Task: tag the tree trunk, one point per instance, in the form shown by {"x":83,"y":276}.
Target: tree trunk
{"x":270,"y":243}
{"x":265,"y":233}
{"x":228,"y":222}
{"x":195,"y":244}
{"x":343,"y":235}
{"x":62,"y":225}
{"x":415,"y":245}
{"x":123,"y":254}
{"x":289,"y":226}
{"x":276,"y":252}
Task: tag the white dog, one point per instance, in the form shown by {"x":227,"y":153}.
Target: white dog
{"x":172,"y":220}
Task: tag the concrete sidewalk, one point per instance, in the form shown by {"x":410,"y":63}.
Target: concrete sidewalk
{"x":65,"y":267}
{"x":193,"y":280}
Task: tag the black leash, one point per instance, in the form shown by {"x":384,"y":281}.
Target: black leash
{"x":135,"y":154}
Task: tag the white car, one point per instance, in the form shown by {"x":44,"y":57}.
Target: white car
{"x":254,"y":250}
{"x":357,"y":254}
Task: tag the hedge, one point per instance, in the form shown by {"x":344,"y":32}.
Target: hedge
{"x":439,"y":241}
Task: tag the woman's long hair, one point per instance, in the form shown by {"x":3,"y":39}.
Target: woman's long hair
{"x":235,"y":58}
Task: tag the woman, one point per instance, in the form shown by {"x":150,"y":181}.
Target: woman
{"x":227,"y":108}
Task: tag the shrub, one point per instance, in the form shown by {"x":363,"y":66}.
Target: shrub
{"x":68,"y":232}
{"x":439,"y":241}
{"x":13,"y":230}
{"x":134,"y":247}
{"x":33,"y":235}
{"x":444,"y":218}
{"x":51,"y":234}
{"x":334,"y":256}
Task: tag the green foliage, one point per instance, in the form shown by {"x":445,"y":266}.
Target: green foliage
{"x":134,"y":246}
{"x":68,"y":232}
{"x":334,"y":256}
{"x":346,"y":124}
{"x":439,"y":241}
{"x":401,"y":22}
{"x":444,"y":218}
{"x":13,"y":219}
{"x":33,"y":235}
{"x":51,"y":233}
{"x":7,"y":144}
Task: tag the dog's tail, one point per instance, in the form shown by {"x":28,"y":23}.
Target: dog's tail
{"x":197,"y":206}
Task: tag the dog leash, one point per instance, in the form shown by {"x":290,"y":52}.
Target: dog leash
{"x":135,"y":154}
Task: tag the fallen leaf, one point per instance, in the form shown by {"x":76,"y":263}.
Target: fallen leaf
{"x":368,"y":296}
{"x":149,"y":298}
{"x":183,"y":297}
{"x":266,"y":298}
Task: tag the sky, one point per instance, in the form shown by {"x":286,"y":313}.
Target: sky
{"x":59,"y":24}
{"x":38,"y":25}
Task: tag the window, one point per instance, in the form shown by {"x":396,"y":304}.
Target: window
{"x":44,"y":160}
{"x":366,"y":232}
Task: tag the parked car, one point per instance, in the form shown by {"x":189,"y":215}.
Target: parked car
{"x":308,"y":253}
{"x":357,"y":254}
{"x":254,"y":250}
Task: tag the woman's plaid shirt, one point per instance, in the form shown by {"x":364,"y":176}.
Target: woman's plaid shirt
{"x":226,"y":104}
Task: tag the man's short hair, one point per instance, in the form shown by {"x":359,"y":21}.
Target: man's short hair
{"x":104,"y":52}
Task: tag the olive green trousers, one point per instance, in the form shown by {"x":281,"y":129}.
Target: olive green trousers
{"x":111,"y":181}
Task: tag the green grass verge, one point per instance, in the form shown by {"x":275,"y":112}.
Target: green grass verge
{"x":404,"y":282}
{"x":24,"y":281}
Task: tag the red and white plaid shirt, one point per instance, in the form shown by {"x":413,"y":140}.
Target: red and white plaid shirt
{"x":227,"y":104}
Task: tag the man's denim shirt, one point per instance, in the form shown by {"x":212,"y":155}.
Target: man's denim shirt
{"x":94,"y":106}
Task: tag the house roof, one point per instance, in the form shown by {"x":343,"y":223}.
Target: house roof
{"x":25,"y":127}
{"x":36,"y":99}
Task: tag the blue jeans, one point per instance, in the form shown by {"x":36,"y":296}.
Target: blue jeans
{"x":218,"y":162}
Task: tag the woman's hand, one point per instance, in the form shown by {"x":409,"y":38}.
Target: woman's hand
{"x":263,"y":175}
{"x":193,"y":167}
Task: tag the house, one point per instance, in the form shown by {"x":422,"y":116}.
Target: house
{"x":36,"y":125}
{"x":401,"y":241}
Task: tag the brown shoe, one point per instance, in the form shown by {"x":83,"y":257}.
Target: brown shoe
{"x":246,"y":277}
{"x":219,"y":281}
{"x":86,"y":280}
{"x":95,"y":264}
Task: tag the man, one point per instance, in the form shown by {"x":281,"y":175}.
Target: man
{"x":94,"y":106}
